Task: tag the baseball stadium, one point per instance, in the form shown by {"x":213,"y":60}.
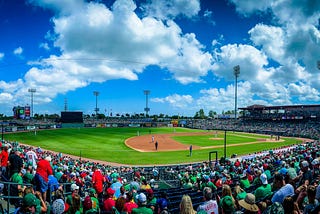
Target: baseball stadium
{"x":164,"y":159}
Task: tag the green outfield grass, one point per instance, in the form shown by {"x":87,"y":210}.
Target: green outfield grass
{"x":107,"y":144}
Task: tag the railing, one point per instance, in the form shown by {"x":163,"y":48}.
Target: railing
{"x":8,"y":197}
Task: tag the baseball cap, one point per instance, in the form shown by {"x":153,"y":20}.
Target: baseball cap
{"x":110,"y":191}
{"x":227,"y":204}
{"x":141,"y":197}
{"x":263,"y":178}
{"x":74,"y":187}
{"x":23,"y":171}
{"x":48,"y":158}
{"x":315,"y":162}
{"x":29,"y":200}
{"x":305,"y":163}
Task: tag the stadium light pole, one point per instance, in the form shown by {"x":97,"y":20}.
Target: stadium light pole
{"x":236,"y":72}
{"x":32,"y":91}
{"x":96,"y":94}
{"x":146,"y":109}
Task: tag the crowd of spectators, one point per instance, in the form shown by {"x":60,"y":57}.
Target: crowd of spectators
{"x":296,"y":128}
{"x":278,"y":181}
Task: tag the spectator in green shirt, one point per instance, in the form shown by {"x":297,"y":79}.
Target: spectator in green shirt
{"x":264,"y":190}
{"x":142,"y":205}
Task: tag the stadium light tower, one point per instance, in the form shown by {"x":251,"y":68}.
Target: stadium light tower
{"x":236,"y":72}
{"x":96,"y":93}
{"x":318,"y":62}
{"x":146,"y":109}
{"x":32,"y":91}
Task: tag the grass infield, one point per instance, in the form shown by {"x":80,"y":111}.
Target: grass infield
{"x":107,"y":144}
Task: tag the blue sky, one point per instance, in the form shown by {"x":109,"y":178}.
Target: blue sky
{"x":183,"y":51}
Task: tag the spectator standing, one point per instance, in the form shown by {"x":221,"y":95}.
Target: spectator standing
{"x":209,"y":205}
{"x":17,"y":189}
{"x":116,"y":184}
{"x":4,"y":162}
{"x":97,"y":181}
{"x":41,"y":177}
{"x":32,"y":158}
{"x":15,"y":161}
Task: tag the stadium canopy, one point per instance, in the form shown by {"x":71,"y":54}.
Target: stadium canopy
{"x":286,"y":112}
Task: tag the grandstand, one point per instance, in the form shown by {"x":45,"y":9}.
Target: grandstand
{"x":190,"y":179}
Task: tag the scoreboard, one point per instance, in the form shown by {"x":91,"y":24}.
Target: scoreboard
{"x":71,"y":117}
{"x":21,"y":112}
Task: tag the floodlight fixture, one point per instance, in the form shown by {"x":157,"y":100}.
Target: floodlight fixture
{"x":236,"y":72}
{"x":32,"y":91}
{"x":96,"y":94}
{"x":146,"y":109}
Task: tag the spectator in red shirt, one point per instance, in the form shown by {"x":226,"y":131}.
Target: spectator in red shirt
{"x":41,"y":177}
{"x":4,"y":162}
{"x":109,"y":202}
{"x":97,"y":181}
{"x":130,"y":204}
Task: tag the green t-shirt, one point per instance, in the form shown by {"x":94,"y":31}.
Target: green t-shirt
{"x":95,"y":203}
{"x":262,"y":192}
{"x":244,"y":183}
{"x":208,"y":184}
{"x":16,"y":178}
{"x":142,"y":210}
{"x":256,"y":182}
{"x":28,"y":177}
